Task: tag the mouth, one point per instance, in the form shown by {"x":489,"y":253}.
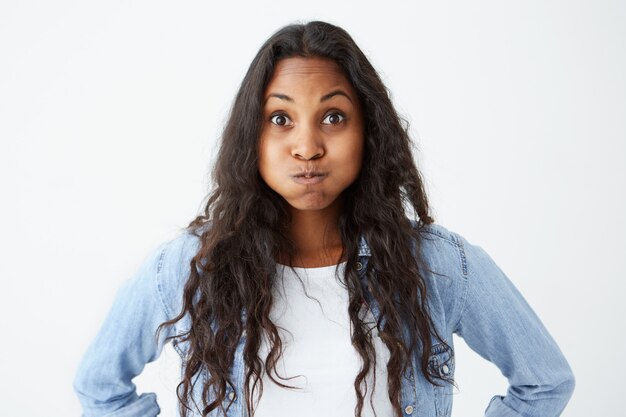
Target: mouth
{"x":310,"y":177}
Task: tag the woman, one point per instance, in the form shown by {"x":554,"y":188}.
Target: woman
{"x":304,"y":287}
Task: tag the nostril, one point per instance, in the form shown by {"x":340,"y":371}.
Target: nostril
{"x":316,"y":156}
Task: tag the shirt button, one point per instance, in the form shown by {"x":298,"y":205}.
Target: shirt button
{"x":408,"y":409}
{"x":445,"y":369}
{"x":359,"y":266}
{"x":232,"y":395}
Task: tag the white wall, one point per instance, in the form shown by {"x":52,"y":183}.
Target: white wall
{"x":110,"y":112}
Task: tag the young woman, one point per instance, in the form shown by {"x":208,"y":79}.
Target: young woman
{"x":316,"y":283}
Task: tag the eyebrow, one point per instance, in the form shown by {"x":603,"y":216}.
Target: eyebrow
{"x":324,"y":98}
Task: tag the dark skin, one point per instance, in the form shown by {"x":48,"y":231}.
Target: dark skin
{"x":313,"y":127}
{"x":316,"y":249}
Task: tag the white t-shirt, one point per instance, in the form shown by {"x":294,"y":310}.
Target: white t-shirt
{"x":318,"y":347}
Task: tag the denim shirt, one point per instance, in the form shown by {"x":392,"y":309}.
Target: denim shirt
{"x":469,"y":296}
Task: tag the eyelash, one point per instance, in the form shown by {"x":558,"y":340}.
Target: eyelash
{"x":337,"y":113}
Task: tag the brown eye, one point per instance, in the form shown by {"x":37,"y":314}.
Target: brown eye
{"x":279,"y":119}
{"x":334,"y":118}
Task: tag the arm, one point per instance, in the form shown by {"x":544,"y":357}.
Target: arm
{"x":498,"y":323}
{"x":125,"y":343}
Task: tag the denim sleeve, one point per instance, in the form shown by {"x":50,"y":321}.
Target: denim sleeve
{"x":124,"y":344}
{"x":499,"y":324}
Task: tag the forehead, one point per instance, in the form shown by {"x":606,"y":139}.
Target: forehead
{"x":292,"y":72}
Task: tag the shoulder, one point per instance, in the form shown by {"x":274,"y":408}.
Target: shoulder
{"x":458,"y":269}
{"x":441,"y":246}
{"x":444,"y":269}
{"x":174,"y":266}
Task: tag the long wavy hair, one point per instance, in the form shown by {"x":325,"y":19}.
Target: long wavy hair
{"x":229,"y":293}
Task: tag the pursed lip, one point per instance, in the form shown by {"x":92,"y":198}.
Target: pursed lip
{"x":309,"y":177}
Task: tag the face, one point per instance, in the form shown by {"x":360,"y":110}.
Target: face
{"x":311,"y":141}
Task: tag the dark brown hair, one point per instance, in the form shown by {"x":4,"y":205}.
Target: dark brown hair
{"x":229,"y":291}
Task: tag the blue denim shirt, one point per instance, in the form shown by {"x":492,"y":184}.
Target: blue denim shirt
{"x":469,"y":296}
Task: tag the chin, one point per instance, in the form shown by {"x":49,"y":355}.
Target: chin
{"x":312,"y":201}
{"x":308,"y":206}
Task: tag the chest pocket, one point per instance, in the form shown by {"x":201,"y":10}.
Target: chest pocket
{"x":441,"y":362}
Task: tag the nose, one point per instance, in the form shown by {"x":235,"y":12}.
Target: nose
{"x":307,"y":145}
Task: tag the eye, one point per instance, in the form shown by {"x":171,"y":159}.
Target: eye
{"x":280,"y":119}
{"x":334,"y":119}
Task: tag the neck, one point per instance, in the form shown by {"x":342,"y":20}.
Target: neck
{"x":316,"y":237}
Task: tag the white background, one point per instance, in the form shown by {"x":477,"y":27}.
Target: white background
{"x":110,"y":114}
